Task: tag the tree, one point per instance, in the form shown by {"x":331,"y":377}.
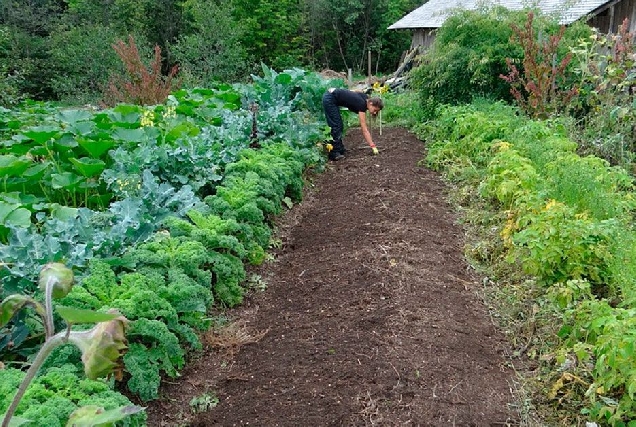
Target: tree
{"x":342,"y":32}
{"x":210,"y":48}
{"x":82,"y":58}
{"x":274,"y":31}
{"x":28,"y":24}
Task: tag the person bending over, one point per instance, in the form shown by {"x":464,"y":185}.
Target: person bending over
{"x":356,"y":102}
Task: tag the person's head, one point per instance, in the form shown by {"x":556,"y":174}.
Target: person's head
{"x":374,"y":105}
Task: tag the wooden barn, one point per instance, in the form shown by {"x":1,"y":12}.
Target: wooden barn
{"x":602,"y":14}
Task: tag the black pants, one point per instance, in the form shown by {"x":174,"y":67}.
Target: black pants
{"x":334,"y":120}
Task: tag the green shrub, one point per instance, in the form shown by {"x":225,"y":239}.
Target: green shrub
{"x":542,"y":141}
{"x":83,"y":59}
{"x":467,"y":133}
{"x":603,"y":336}
{"x":509,"y":175}
{"x":556,"y":244}
{"x":590,"y":185}
{"x":467,"y":57}
{"x":210,"y":50}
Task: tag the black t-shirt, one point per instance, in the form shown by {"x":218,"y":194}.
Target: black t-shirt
{"x":354,"y":101}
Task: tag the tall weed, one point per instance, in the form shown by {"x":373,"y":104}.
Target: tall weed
{"x":536,"y":86}
{"x":141,"y":84}
{"x":606,"y":114}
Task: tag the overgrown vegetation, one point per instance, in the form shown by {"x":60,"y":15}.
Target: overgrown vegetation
{"x":546,"y":192}
{"x":474,"y":48}
{"x":606,"y":78}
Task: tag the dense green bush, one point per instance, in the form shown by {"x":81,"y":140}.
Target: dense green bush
{"x":470,"y":53}
{"x":209,"y":50}
{"x":467,"y":57}
{"x":83,"y":59}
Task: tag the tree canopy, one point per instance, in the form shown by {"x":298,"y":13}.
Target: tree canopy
{"x":62,"y":49}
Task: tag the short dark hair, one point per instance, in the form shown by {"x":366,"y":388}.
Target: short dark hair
{"x":377,"y":102}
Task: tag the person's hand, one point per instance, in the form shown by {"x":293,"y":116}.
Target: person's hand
{"x":375,"y":150}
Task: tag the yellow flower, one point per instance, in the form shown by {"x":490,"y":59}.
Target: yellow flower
{"x":551,"y":204}
{"x":170,"y":112}
{"x":146,"y":118}
{"x":502,"y":146}
{"x":379,"y":88}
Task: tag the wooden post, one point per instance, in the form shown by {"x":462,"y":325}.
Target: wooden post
{"x":369,"y":64}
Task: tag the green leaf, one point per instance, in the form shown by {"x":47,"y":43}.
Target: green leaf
{"x":11,"y":305}
{"x":232,"y":100}
{"x":36,"y":172}
{"x":184,"y":129}
{"x":63,"y":213}
{"x":79,"y":315}
{"x":130,"y":135}
{"x":66,"y":141}
{"x":74,"y":116}
{"x":97,"y":147}
{"x":66,"y":180}
{"x":20,"y":217}
{"x":87,"y":166}
{"x":41,"y":134}
{"x":20,"y":198}
{"x":92,"y":415}
{"x":14,"y":214}
{"x":11,"y":165}
{"x":283,"y":78}
{"x":125,"y":116}
{"x":82,"y":128}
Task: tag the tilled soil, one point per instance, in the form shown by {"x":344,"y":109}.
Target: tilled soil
{"x":370,"y":317}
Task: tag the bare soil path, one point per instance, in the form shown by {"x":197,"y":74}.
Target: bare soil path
{"x":371,"y":316}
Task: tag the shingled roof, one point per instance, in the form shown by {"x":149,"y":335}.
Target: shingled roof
{"x":433,"y":13}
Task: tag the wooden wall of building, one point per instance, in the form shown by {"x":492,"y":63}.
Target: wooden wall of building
{"x":608,"y":18}
{"x":423,"y":37}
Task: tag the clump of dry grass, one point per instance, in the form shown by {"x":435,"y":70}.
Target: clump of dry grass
{"x":370,"y":411}
{"x":231,"y":337}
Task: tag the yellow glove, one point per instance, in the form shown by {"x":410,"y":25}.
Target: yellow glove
{"x":375,"y":150}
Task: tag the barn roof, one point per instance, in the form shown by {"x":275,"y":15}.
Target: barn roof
{"x":433,"y":13}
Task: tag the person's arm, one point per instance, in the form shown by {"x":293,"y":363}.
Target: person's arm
{"x":365,"y":131}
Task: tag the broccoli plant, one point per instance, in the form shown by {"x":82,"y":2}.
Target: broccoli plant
{"x":102,"y":346}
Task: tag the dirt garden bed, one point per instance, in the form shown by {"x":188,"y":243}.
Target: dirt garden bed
{"x":370,"y":316}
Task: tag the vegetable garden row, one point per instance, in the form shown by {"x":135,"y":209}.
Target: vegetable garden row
{"x":157,"y":210}
{"x":553,"y":231}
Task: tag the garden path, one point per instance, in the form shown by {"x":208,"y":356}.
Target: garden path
{"x":371,"y":315}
